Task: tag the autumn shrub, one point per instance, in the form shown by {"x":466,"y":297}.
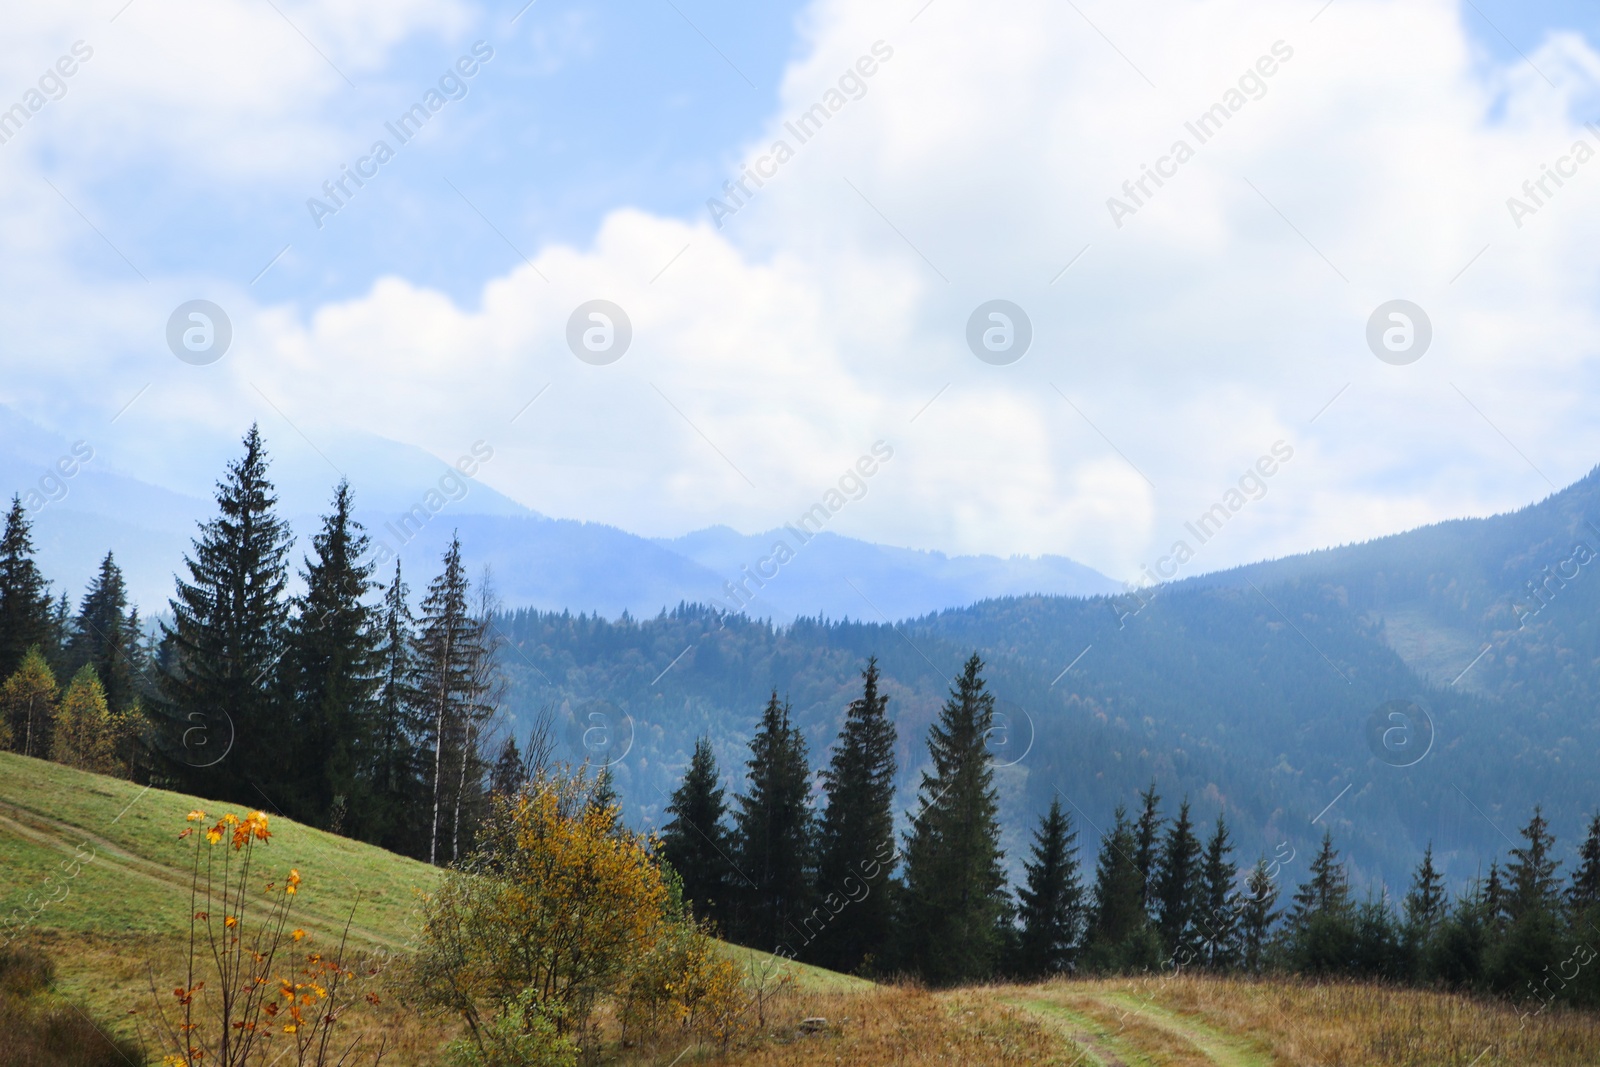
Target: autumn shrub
{"x":254,"y":992}
{"x":561,"y":909}
{"x":686,"y":985}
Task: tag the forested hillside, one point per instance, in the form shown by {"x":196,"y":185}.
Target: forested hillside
{"x":1257,"y":690}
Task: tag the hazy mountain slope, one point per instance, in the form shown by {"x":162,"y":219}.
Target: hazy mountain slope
{"x":840,"y":577}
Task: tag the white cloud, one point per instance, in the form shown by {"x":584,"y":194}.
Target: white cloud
{"x":1215,"y":321}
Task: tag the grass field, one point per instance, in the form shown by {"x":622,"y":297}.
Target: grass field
{"x":116,"y":922}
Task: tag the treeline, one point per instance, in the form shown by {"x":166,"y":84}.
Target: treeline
{"x":336,"y":706}
{"x":841,"y":888}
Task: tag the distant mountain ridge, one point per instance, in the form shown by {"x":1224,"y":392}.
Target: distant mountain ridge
{"x":411,"y":501}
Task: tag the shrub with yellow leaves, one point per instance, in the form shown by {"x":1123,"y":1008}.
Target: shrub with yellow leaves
{"x":561,"y":908}
{"x":250,"y":987}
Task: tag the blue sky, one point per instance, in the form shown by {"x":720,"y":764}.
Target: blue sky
{"x":1171,"y":352}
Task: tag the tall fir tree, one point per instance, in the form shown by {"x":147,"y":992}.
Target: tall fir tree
{"x":1531,"y":871}
{"x":1217,"y":921}
{"x":331,"y":674}
{"x":449,"y":655}
{"x":398,"y":783}
{"x":1326,"y":891}
{"x":774,"y":835}
{"x":1120,"y":936}
{"x":1051,"y":903}
{"x":1177,"y":890}
{"x":28,"y":703}
{"x":1496,"y":899}
{"x":955,"y":896}
{"x":1585,"y":891}
{"x":224,"y":720}
{"x":1147,"y":837}
{"x":105,"y":636}
{"x":1257,"y":914}
{"x":26,"y":617}
{"x":856,"y":845}
{"x":1426,"y":903}
{"x":696,"y":841}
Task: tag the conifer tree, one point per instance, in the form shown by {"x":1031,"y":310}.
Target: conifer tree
{"x":226,"y":640}
{"x":104,"y":635}
{"x":1327,"y":891}
{"x":28,"y":703}
{"x":955,"y":886}
{"x":1532,"y":871}
{"x":449,"y":655}
{"x":1120,"y":936}
{"x":25,"y":608}
{"x":1052,"y":905}
{"x":332,"y":672}
{"x":856,"y":842}
{"x":774,"y":837}
{"x":696,"y":842}
{"x":1426,"y":902}
{"x":1218,"y":920}
{"x":1257,"y":914}
{"x":1496,"y":899}
{"x":397,"y":783}
{"x":510,"y":772}
{"x":1147,"y":837}
{"x":1177,"y":889}
{"x":1585,"y":891}
{"x":82,"y":736}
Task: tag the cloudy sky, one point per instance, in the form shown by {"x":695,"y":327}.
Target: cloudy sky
{"x":1358,"y":153}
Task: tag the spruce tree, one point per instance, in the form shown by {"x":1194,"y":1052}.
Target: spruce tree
{"x":449,"y":655}
{"x":28,"y":702}
{"x":1147,"y":837}
{"x":398,"y":783}
{"x":1120,"y":937}
{"x":105,"y":636}
{"x":226,"y":640}
{"x":1257,"y":914}
{"x":856,"y":842}
{"x":955,"y":886}
{"x":332,"y":673}
{"x":1327,"y":891}
{"x":1177,"y":889}
{"x":25,"y":609}
{"x":1585,"y":891}
{"x":773,"y":840}
{"x":510,"y":771}
{"x":1324,"y":924}
{"x":1532,"y":871}
{"x":1495,"y":898}
{"x":1426,"y":902}
{"x":696,"y":842}
{"x":1217,"y":924}
{"x":1052,"y":905}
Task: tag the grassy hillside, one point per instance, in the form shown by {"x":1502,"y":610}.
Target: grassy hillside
{"x":126,"y":906}
{"x":120,"y":916}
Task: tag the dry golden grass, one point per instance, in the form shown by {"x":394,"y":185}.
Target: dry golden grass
{"x":902,"y":1026}
{"x":1348,"y":1025}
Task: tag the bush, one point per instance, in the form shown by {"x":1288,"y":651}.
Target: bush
{"x":520,"y":1036}
{"x":41,"y":1030}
